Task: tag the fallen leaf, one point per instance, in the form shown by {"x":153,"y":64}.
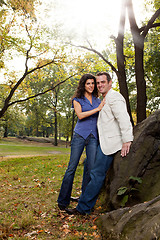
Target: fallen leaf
{"x":66,"y":231}
{"x":59,"y":166}
{"x":94,"y":227}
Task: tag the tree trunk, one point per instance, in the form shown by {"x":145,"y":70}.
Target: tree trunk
{"x":5,"y":131}
{"x":55,"y":128}
{"x":138,"y":40}
{"x":37,"y":133}
{"x":56,"y":91}
{"x":47,"y":133}
{"x":121,"y":60}
{"x":141,"y":84}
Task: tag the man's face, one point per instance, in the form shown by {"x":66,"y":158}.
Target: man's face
{"x":103,"y":85}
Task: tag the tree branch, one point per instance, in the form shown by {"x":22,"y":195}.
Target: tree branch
{"x":150,"y":22}
{"x":152,"y":26}
{"x":42,"y":93}
{"x":6,"y":103}
{"x":99,"y":54}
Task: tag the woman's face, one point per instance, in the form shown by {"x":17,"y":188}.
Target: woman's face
{"x":89,"y":85}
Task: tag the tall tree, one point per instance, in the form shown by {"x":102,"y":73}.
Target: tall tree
{"x":24,"y":37}
{"x":152,"y":69}
{"x":139,"y":35}
{"x":121,"y":73}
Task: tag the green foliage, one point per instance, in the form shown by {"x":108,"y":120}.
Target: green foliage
{"x":136,"y":179}
{"x":122,"y":190}
{"x":13,"y":120}
{"x":58,"y":101}
{"x":12,"y":26}
{"x":124,"y":200}
{"x":150,"y":3}
{"x":126,"y":193}
{"x":152,"y":70}
{"x":19,"y":32}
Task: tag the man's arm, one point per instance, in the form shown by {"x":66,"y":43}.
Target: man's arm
{"x":119,"y":109}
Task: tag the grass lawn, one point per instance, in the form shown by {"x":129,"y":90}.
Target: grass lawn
{"x":16,"y":147}
{"x":29,"y":188}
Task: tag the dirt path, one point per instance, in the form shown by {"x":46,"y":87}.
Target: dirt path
{"x":22,"y":156}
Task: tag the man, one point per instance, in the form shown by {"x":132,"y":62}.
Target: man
{"x":115,"y":133}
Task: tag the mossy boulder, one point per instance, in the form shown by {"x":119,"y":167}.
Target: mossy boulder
{"x":142,"y":163}
{"x":132,"y":189}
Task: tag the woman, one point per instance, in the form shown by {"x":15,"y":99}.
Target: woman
{"x":86,"y":105}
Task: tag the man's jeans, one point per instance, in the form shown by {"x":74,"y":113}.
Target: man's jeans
{"x":98,"y":173}
{"x":77,"y":146}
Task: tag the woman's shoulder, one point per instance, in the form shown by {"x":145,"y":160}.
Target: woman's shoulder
{"x":77,"y":99}
{"x":80,"y":100}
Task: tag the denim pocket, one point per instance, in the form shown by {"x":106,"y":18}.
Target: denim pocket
{"x":77,"y":135}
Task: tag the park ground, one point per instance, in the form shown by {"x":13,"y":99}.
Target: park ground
{"x":30,"y":179}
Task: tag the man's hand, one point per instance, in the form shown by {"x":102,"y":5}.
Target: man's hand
{"x":125,"y":148}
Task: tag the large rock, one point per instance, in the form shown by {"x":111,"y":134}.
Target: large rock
{"x":143,"y":162}
{"x":141,"y":222}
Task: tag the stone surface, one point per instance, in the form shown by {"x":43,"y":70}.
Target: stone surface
{"x":143,"y":162}
{"x":140,"y":222}
{"x":140,"y":218}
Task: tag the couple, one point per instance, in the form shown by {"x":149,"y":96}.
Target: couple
{"x":114,"y":131}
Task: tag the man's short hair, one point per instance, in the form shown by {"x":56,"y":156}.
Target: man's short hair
{"x":106,"y":74}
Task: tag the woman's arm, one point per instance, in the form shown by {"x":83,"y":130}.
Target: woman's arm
{"x":81,"y":115}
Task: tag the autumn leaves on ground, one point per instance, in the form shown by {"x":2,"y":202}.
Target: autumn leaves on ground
{"x":29,"y":189}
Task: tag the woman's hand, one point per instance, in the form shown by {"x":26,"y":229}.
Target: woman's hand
{"x":81,"y":115}
{"x":101,"y":104}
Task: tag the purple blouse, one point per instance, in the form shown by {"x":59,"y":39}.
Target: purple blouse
{"x":88,"y":125}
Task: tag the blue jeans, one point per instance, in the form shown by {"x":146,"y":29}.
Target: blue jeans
{"x":77,"y":146}
{"x":98,"y":173}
